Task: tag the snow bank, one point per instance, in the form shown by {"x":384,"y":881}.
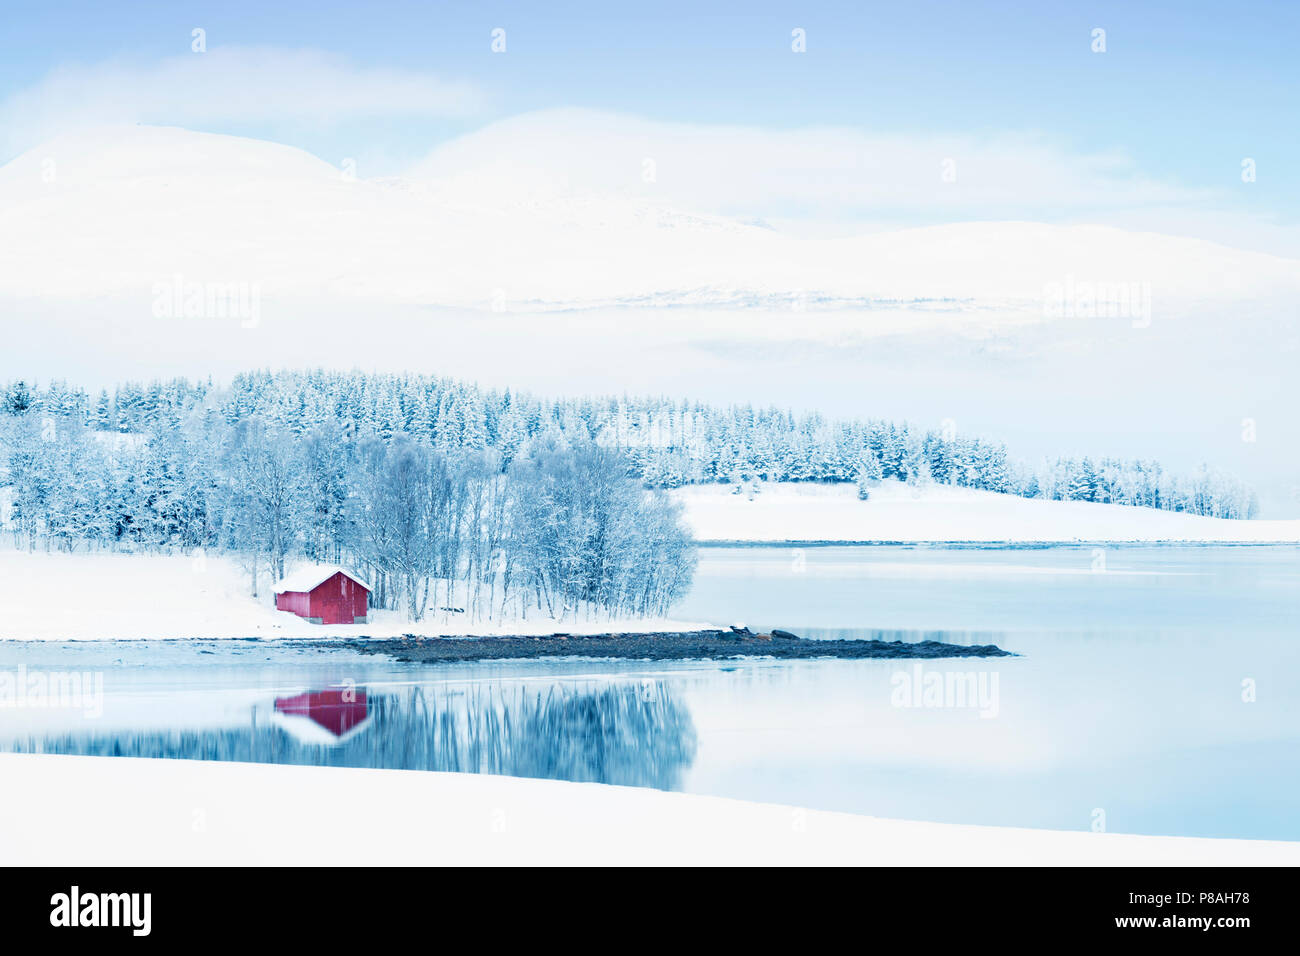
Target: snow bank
{"x":167,"y":813}
{"x":895,"y":512}
{"x":68,"y":597}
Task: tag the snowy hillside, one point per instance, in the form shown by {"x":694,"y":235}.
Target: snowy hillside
{"x":896,"y":512}
{"x":118,"y":209}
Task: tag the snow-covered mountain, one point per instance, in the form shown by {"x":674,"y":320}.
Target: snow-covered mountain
{"x":118,"y":209}
{"x":495,"y":261}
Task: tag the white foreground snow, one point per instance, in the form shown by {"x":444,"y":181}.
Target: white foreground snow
{"x":895,"y":512}
{"x":178,"y":812}
{"x":107,"y":596}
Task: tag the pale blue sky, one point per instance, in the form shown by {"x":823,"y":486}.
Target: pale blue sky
{"x":1184,"y":92}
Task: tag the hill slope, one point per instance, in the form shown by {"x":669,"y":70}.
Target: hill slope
{"x":895,"y":512}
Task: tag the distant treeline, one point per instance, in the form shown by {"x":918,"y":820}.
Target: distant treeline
{"x":174,"y":474}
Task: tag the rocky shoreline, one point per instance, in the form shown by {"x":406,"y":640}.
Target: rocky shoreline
{"x":663,"y":646}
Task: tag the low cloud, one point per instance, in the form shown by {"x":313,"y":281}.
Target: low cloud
{"x":826,"y":174}
{"x":821,"y":181}
{"x":247,"y":85}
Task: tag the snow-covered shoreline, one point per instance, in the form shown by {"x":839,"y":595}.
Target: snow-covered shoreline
{"x":106,"y":596}
{"x":812,"y":513}
{"x":179,"y":812}
{"x":54,"y":596}
{"x":990,"y":544}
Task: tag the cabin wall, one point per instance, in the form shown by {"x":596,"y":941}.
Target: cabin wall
{"x":296,"y":602}
{"x":338,"y":600}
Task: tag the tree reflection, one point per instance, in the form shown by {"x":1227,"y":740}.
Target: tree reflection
{"x":616,"y":733}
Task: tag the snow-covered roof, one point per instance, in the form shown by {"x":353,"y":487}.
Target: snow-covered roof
{"x":308,"y":576}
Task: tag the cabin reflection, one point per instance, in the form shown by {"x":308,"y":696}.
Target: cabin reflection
{"x":617,"y":733}
{"x":325,"y":717}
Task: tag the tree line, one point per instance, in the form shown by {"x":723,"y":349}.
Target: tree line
{"x":561,"y":530}
{"x":307,"y":462}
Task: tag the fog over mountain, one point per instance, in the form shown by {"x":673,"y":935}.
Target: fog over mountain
{"x":134,"y":251}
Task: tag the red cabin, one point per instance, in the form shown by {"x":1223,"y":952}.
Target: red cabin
{"x":324,"y":594}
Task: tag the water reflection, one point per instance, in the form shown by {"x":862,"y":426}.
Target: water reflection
{"x":631,"y":734}
{"x":339,"y":712}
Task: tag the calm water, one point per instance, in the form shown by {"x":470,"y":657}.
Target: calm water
{"x":1158,"y":689}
